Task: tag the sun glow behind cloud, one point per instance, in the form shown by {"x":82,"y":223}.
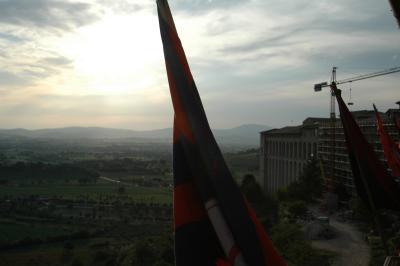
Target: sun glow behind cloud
{"x":119,"y":54}
{"x":100,"y":62}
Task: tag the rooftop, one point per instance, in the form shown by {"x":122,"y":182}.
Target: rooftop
{"x":312,"y":121}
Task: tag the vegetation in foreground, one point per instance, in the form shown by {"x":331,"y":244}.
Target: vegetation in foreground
{"x":126,"y":218}
{"x":390,"y":223}
{"x":280,"y":215}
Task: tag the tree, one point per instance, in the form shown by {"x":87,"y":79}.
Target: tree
{"x":289,"y":239}
{"x":310,"y":183}
{"x":121,"y":190}
{"x":264,"y":205}
{"x":251,"y":189}
{"x":296,"y":209}
{"x":145,"y":254}
{"x":341,"y":191}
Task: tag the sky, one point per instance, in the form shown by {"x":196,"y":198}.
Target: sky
{"x":100,"y":63}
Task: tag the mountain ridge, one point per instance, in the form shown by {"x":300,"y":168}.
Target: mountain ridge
{"x":245,"y":134}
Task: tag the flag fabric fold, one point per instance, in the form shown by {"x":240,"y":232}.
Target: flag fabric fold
{"x":390,"y":149}
{"x":395,"y":4}
{"x":373,"y":183}
{"x":213,"y":223}
{"x":397,"y":123}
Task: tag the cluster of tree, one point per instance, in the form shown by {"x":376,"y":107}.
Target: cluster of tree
{"x":128,"y":165}
{"x":146,"y":251}
{"x":30,"y":241}
{"x":289,"y":239}
{"x":70,"y":211}
{"x":390,"y":224}
{"x":264,"y":205}
{"x":243,"y":161}
{"x":154,"y":252}
{"x":280,"y":212}
{"x":308,"y":187}
{"x":38,"y":172}
{"x":297,"y":195}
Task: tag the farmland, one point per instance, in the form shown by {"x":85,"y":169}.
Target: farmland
{"x":94,"y":192}
{"x":87,"y":203}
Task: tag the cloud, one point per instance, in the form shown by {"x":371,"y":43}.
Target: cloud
{"x":264,"y":54}
{"x":199,"y":7}
{"x":262,"y":36}
{"x":29,"y":32}
{"x":125,"y":6}
{"x":60,"y":15}
{"x":31,"y":71}
{"x":11,"y":38}
{"x":11,"y":80}
{"x":56,"y":61}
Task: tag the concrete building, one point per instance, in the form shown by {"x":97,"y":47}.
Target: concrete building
{"x":284,"y":152}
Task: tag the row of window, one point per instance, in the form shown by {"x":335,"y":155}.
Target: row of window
{"x":299,"y":150}
{"x":280,"y":173}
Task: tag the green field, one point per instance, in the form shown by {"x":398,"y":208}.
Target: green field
{"x":48,"y":254}
{"x":91,"y":191}
{"x":87,"y":251}
{"x":243,"y":163}
{"x":10,"y":232}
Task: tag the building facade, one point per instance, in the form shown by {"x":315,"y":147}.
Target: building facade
{"x":334,"y":154}
{"x":284,"y":152}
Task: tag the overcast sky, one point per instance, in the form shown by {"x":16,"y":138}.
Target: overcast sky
{"x":100,"y":63}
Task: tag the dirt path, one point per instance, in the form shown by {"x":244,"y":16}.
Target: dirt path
{"x":114,"y":181}
{"x":349,"y":244}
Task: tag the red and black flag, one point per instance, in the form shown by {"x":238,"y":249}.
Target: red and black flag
{"x":371,"y":179}
{"x":213,"y":223}
{"x":390,"y":148}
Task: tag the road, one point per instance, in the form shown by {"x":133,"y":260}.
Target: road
{"x":349,"y":244}
{"x":114,"y":181}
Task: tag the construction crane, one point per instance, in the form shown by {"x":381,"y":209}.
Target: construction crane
{"x":319,"y":86}
{"x":332,"y":140}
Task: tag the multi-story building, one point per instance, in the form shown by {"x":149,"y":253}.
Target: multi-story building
{"x":332,"y":148}
{"x":284,"y":152}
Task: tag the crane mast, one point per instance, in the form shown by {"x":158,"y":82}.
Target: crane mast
{"x":330,"y":181}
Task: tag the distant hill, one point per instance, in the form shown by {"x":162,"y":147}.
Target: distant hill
{"x":245,"y":134}
{"x":242,"y":135}
{"x":87,"y":133}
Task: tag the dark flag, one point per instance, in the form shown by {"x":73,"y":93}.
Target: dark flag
{"x":390,"y":149}
{"x":395,"y":4}
{"x":213,"y":223}
{"x":371,"y":179}
{"x":397,"y":123}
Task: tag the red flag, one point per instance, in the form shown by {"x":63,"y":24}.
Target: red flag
{"x":213,"y":224}
{"x":370,"y":177}
{"x":390,"y":149}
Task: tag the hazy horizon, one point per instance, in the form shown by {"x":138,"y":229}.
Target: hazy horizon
{"x":100,"y":63}
{"x":132,"y":129}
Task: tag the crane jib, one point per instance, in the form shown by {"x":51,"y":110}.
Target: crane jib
{"x":319,"y":86}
